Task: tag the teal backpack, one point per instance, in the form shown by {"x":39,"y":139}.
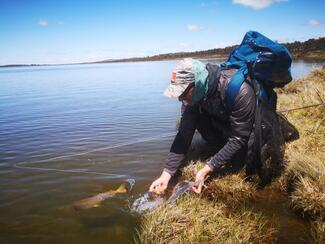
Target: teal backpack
{"x":262,"y":60}
{"x":264,"y":64}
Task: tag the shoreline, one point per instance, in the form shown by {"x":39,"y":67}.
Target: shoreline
{"x":310,"y":58}
{"x":312,"y":49}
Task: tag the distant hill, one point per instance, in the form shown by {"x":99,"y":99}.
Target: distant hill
{"x":311,"y":49}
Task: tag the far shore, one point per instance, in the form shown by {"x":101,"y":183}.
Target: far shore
{"x":310,"y":50}
{"x":319,"y":56}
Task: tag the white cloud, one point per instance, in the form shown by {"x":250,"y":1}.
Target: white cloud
{"x":42,"y":22}
{"x":257,"y":4}
{"x":60,"y":22}
{"x":194,"y":28}
{"x":314,"y":22}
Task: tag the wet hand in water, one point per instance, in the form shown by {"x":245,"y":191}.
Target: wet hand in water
{"x":160,"y":185}
{"x":201,"y":176}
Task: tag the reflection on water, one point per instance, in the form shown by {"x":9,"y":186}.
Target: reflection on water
{"x":105,"y":118}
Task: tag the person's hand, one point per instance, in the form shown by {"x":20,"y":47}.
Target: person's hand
{"x":159,"y":185}
{"x":201,"y":176}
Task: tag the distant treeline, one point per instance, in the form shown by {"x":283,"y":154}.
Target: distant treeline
{"x":313,"y":48}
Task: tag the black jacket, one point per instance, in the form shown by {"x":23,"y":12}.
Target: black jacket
{"x":236,"y":125}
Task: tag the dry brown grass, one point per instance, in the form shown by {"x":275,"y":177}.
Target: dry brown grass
{"x":231,"y":189}
{"x":195,"y":220}
{"x":318,"y":232}
{"x":304,"y":176}
{"x":218,"y":215}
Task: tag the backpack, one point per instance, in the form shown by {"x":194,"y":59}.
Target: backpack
{"x":264,"y":64}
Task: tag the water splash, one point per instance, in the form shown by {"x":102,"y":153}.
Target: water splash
{"x":146,"y":203}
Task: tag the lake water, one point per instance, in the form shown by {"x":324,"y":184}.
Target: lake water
{"x":69,"y":132}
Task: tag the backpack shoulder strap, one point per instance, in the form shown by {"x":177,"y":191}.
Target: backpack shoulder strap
{"x":234,"y":85}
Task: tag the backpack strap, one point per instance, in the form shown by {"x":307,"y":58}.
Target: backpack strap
{"x":234,"y":86}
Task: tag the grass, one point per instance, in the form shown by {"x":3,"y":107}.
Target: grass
{"x":218,"y":215}
{"x":231,"y":189}
{"x":304,"y":177}
{"x":222,"y":213}
{"x":317,"y":231}
{"x":195,"y":219}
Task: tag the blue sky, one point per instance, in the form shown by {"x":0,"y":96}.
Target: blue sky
{"x":77,"y":31}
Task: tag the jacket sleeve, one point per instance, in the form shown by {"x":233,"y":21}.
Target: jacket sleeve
{"x":241,"y":124}
{"x":182,"y":139}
